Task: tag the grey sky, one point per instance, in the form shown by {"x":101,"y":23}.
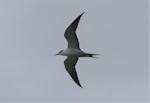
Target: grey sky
{"x":31,"y":32}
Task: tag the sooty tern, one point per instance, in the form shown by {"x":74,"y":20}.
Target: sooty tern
{"x":73,"y":51}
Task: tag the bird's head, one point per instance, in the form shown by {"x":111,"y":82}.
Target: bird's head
{"x":59,"y":53}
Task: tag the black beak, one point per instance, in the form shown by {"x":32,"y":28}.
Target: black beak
{"x":55,"y":54}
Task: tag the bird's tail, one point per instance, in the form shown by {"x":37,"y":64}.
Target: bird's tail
{"x":92,"y":55}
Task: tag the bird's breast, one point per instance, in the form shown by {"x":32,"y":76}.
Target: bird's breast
{"x":73,"y":52}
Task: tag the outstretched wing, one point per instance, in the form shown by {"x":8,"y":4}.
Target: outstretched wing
{"x":70,"y":34}
{"x":70,"y":63}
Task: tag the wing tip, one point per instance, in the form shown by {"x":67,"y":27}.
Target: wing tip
{"x":82,"y":13}
{"x":81,"y":86}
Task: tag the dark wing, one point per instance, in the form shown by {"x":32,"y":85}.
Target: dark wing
{"x":70,"y":34}
{"x":70,"y":63}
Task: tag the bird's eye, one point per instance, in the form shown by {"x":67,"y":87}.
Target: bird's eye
{"x":61,"y":51}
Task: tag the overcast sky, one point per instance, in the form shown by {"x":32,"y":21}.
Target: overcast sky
{"x":31,"y":32}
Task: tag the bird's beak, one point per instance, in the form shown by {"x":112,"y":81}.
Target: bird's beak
{"x":55,"y":54}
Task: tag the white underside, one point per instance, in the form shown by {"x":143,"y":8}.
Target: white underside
{"x":73,"y":52}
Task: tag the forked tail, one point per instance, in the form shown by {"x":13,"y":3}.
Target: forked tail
{"x":92,"y":55}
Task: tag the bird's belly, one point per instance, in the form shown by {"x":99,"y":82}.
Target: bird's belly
{"x":74,"y":52}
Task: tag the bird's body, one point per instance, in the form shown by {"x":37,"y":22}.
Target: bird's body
{"x":73,"y":51}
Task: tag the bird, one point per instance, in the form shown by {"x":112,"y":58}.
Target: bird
{"x":73,"y":51}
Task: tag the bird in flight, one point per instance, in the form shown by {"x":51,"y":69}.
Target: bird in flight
{"x":73,"y":52}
